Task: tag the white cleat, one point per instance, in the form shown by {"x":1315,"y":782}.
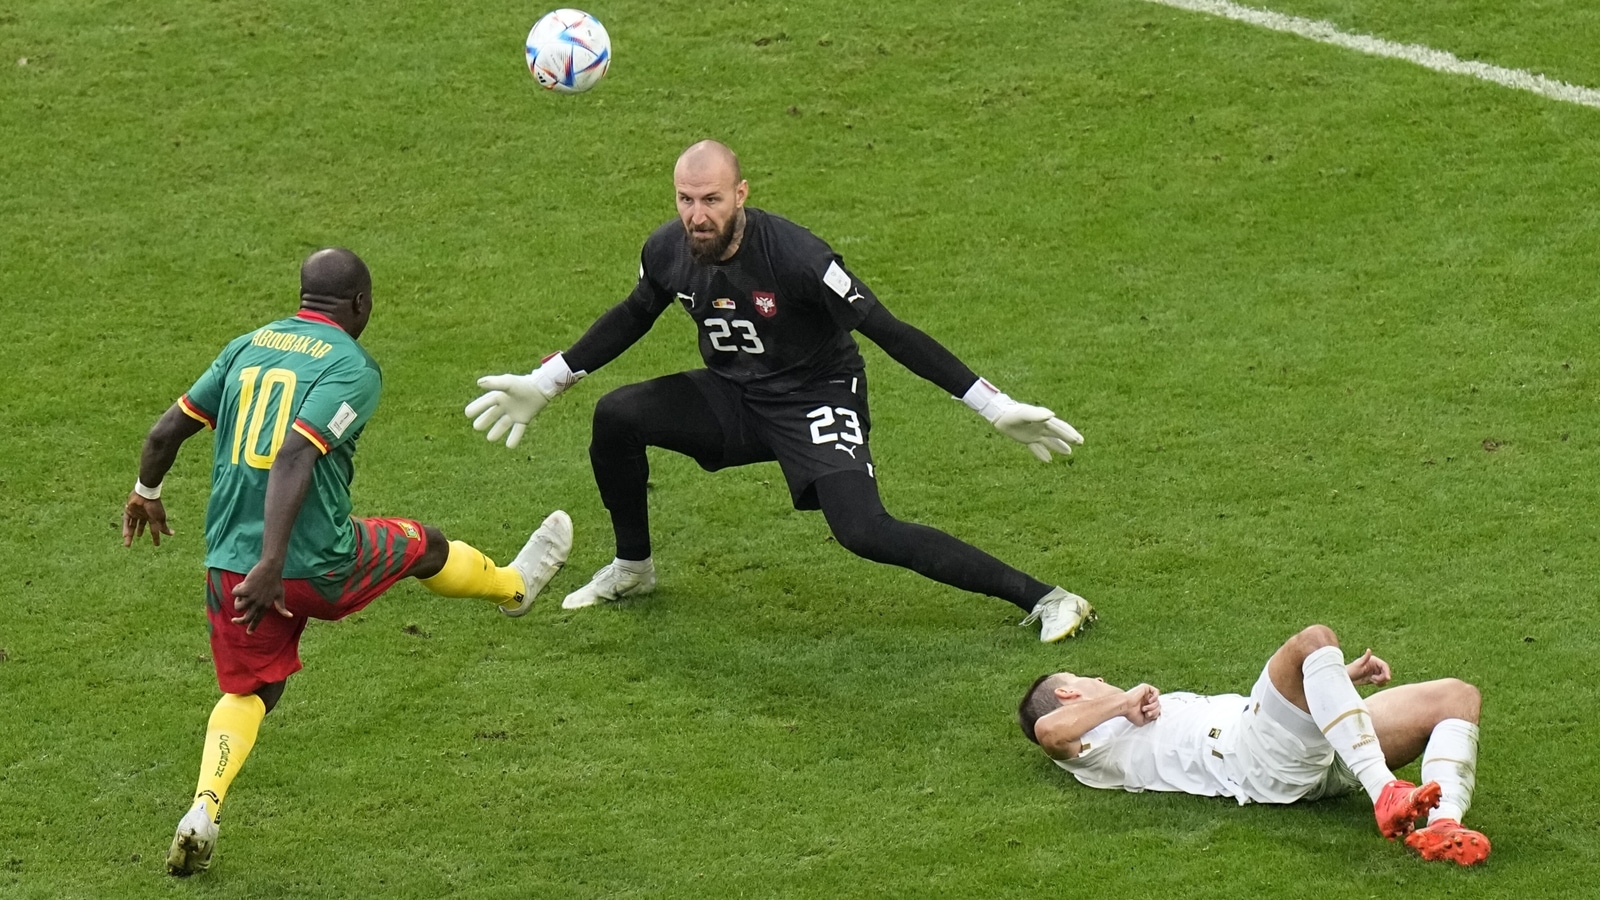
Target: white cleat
{"x":612,"y":583}
{"x":1061,"y":614}
{"x":193,"y":843}
{"x":541,"y":558}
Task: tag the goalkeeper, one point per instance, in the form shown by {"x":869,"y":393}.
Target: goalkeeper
{"x":774,"y":307}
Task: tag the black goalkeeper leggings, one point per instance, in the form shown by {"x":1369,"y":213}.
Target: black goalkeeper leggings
{"x":672,"y":413}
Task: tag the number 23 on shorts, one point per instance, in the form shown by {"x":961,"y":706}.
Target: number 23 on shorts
{"x":824,"y":417}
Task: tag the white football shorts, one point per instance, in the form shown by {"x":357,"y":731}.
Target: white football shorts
{"x":1281,"y":755}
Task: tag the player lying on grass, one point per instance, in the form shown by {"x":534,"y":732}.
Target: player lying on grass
{"x":1303,"y":733}
{"x":281,"y":546}
{"x":774,"y":308}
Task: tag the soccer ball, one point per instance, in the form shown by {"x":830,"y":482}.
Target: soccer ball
{"x":568,"y":51}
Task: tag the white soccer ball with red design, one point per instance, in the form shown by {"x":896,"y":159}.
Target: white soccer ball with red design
{"x":568,"y":51}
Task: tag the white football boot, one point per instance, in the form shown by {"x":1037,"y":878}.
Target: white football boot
{"x":192,"y":844}
{"x":1061,"y":614}
{"x":613,"y":583}
{"x":541,"y":558}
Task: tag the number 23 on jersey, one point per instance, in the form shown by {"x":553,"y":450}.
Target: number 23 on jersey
{"x":725,"y":340}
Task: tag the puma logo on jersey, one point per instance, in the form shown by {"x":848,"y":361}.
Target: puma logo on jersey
{"x":846,"y":448}
{"x":686,"y":299}
{"x":853,"y":297}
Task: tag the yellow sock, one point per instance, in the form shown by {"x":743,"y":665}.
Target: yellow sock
{"x":229,"y":736}
{"x":468,"y":573}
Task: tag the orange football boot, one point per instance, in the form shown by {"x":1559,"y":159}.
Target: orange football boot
{"x":1448,"y":839}
{"x":1401,"y":804}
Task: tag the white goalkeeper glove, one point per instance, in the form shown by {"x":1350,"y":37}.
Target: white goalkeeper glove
{"x":1032,"y":425}
{"x":513,"y":400}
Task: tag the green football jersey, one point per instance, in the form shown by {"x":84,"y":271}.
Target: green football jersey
{"x":303,"y":373}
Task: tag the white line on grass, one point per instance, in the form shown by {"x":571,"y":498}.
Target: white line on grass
{"x":1427,"y":57}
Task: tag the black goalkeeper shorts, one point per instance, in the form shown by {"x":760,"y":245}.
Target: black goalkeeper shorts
{"x":817,"y":430}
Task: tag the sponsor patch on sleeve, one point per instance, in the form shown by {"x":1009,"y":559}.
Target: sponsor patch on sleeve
{"x":836,"y":278}
{"x":341,"y":420}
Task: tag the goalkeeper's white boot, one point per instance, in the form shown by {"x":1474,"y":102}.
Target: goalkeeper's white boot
{"x":541,"y":558}
{"x":622,"y":578}
{"x":1061,"y":614}
{"x":192,"y":844}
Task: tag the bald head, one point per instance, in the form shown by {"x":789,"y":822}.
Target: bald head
{"x":709,"y":160}
{"x":335,"y":272}
{"x":336,"y":283}
{"x":711,"y":194}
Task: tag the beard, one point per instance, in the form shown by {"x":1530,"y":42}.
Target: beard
{"x":707,"y":249}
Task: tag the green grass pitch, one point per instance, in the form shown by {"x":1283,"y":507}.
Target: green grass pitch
{"x":1327,"y":322}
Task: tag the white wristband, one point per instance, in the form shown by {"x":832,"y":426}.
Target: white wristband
{"x":554,"y":375}
{"x":987,"y":400}
{"x":145,"y":491}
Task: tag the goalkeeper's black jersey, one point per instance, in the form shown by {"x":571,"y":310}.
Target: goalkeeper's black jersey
{"x":774,"y":317}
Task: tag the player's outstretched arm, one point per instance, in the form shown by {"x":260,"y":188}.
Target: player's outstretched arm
{"x":143,"y":508}
{"x":1037,"y":427}
{"x":913,"y":348}
{"x":510,"y":401}
{"x":287,"y":483}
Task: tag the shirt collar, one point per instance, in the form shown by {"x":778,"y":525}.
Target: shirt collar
{"x":314,"y":316}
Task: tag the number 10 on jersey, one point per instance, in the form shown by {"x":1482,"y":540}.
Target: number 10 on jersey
{"x":255,"y":394}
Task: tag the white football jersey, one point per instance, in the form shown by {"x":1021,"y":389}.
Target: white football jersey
{"x":1185,"y":750}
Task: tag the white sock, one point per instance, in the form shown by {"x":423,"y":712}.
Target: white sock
{"x":1343,"y":717}
{"x":634,"y":566}
{"x":1451,"y":758}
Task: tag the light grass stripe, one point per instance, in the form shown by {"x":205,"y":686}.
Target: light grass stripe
{"x":1427,"y":57}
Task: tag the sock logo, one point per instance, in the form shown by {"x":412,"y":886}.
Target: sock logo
{"x":1363,"y":740}
{"x":222,"y":758}
{"x":215,"y":804}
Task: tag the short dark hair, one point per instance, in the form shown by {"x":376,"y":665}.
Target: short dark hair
{"x":336,"y":273}
{"x":1039,"y":701}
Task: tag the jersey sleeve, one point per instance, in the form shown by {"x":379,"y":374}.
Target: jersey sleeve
{"x":649,"y":299}
{"x":845,"y":298}
{"x":204,"y":398}
{"x":911,"y":347}
{"x":338,"y":405}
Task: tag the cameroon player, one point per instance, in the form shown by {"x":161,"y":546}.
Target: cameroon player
{"x":288,"y":402}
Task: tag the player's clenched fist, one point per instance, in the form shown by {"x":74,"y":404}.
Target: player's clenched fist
{"x":1144,"y":704}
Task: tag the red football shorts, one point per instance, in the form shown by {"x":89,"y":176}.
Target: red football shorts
{"x":385,"y":550}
